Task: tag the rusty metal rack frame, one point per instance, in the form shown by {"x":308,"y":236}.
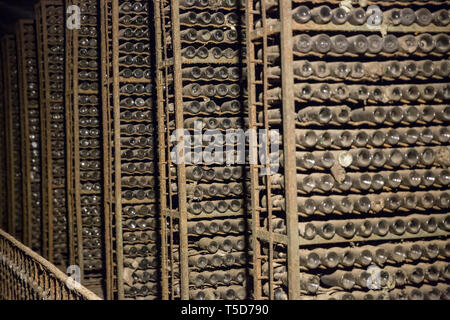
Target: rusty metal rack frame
{"x":264,"y":235}
{"x":72,"y":187}
{"x":25,"y":275}
{"x":110,"y":195}
{"x":3,"y":172}
{"x":80,"y":147}
{"x":175,"y":202}
{"x":44,"y":179}
{"x":108,"y":192}
{"x":283,"y":31}
{"x":173,"y":215}
{"x":13,"y":137}
{"x":30,"y":118}
{"x":50,"y":30}
{"x":121,"y":197}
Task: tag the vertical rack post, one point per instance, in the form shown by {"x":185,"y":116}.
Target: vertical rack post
{"x":43,"y":125}
{"x":3,"y":168}
{"x":288,"y":118}
{"x":129,"y":113}
{"x":107,"y":185}
{"x":26,"y":187}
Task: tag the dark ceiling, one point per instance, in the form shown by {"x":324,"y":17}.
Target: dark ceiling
{"x":13,"y":10}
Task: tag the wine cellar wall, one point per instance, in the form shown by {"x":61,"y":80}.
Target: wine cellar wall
{"x":230,"y":149}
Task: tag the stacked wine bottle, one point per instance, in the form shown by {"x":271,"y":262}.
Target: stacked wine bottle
{"x":3,"y":167}
{"x":13,"y":117}
{"x":268,"y":116}
{"x":134,"y":128}
{"x":87,"y":143}
{"x":370,"y":158}
{"x":31,"y":133}
{"x":50,"y":22}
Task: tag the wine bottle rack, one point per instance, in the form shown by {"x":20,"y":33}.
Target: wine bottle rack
{"x":130,"y":153}
{"x":13,"y":137}
{"x":85,"y":142}
{"x":31,"y":133}
{"x":50,"y":41}
{"x":285,"y":74}
{"x":232,"y":149}
{"x":264,"y":239}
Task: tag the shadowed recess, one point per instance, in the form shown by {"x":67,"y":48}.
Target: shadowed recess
{"x":13,"y":10}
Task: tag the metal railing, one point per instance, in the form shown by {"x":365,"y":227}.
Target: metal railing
{"x":25,"y":275}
